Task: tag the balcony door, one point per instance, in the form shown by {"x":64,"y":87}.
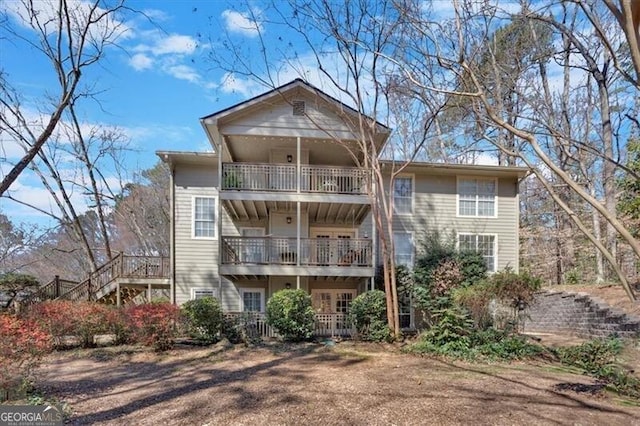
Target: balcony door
{"x":331,"y":246}
{"x":254,"y":250}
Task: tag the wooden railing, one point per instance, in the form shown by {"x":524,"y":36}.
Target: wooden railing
{"x":255,"y":324}
{"x":121,"y":266}
{"x":283,"y":177}
{"x":283,"y":251}
{"x":259,"y":177}
{"x":52,"y":290}
{"x":339,"y":180}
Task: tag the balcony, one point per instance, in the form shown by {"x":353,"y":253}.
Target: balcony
{"x":283,"y":178}
{"x":314,"y":252}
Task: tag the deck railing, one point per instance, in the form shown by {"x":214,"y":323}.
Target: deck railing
{"x":283,"y":251}
{"x":283,"y":177}
{"x":254,"y":324}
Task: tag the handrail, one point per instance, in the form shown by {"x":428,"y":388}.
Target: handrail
{"x":269,"y":250}
{"x":121,"y":266}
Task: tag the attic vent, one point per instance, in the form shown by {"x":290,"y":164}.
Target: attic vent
{"x":298,"y":107}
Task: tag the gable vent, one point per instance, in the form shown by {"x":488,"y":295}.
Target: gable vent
{"x":298,"y":107}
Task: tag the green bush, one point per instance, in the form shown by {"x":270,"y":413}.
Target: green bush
{"x":500,"y":345}
{"x":598,"y":359}
{"x":290,"y":313}
{"x":368,"y":314}
{"x":204,"y":318}
{"x":591,"y":356}
{"x":450,"y":334}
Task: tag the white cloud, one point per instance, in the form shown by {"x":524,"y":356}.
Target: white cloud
{"x":141,"y":62}
{"x":242,"y":23}
{"x":184,"y":72}
{"x":229,"y":83}
{"x":80,"y":13}
{"x":159,"y":44}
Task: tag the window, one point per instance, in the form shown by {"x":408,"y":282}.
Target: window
{"x":403,"y":244}
{"x":204,"y":217}
{"x":403,"y":195}
{"x":252,"y":299}
{"x":483,"y":244}
{"x":199,"y":293}
{"x":477,"y":197}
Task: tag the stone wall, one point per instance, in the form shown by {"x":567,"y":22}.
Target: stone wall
{"x":578,"y":314}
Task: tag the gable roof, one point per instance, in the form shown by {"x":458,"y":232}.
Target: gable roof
{"x":281,"y":90}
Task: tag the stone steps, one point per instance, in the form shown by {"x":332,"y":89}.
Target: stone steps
{"x":578,"y":314}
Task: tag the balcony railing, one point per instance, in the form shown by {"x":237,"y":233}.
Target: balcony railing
{"x":283,"y":251}
{"x":283,"y":177}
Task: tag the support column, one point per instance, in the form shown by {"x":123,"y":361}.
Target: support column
{"x":298,"y":165}
{"x":374,"y":237}
{"x":149,"y":293}
{"x":298,"y":240}
{"x":219,"y":217}
{"x":118,"y":295}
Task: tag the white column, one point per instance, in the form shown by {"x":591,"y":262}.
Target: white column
{"x":298,"y":165}
{"x":149,"y":292}
{"x":118,"y":296}
{"x":219,"y":217}
{"x":374,"y":236}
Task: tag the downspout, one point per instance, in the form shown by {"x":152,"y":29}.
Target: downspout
{"x":172,"y":234}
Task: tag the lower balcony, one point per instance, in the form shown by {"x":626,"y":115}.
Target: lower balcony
{"x":279,"y":256}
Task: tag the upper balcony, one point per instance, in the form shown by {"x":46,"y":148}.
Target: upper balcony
{"x":244,"y":256}
{"x":265,"y":177}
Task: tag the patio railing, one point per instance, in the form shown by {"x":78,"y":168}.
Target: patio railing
{"x":283,"y":177}
{"x":326,"y":325}
{"x":283,"y":251}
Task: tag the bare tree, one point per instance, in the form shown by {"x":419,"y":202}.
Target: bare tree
{"x":343,"y":42}
{"x":72,"y":37}
{"x":454,"y":45}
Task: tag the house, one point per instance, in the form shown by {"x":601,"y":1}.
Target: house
{"x":280,"y":204}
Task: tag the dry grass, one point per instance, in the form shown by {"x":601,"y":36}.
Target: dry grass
{"x":359,"y":384}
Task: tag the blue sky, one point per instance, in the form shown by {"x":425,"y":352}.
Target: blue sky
{"x":154,"y":86}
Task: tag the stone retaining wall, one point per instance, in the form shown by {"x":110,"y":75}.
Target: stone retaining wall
{"x":578,"y":314}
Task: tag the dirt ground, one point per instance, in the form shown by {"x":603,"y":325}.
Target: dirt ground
{"x":346,"y":384}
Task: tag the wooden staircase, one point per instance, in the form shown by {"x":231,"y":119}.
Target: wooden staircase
{"x":116,"y":282}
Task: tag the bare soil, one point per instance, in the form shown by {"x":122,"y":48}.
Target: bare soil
{"x":346,"y":384}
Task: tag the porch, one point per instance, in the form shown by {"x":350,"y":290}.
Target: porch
{"x":326,"y":325}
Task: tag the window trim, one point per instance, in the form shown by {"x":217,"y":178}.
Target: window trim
{"x":413,"y":193}
{"x":193,"y":217}
{"x":413,"y":247}
{"x":194,"y":290}
{"x":495,"y":196}
{"x":243,"y":290}
{"x":495,"y":245}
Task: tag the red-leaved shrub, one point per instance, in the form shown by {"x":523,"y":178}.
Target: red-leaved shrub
{"x":63,"y":319}
{"x":22,"y":344}
{"x":154,"y":324}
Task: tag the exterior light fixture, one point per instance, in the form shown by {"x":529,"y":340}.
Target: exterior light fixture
{"x":287,"y":286}
{"x":289,"y":158}
{"x":289,"y":220}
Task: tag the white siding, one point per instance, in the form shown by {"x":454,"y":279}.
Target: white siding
{"x":276,"y":118}
{"x":196,"y":260}
{"x":435,"y":209}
